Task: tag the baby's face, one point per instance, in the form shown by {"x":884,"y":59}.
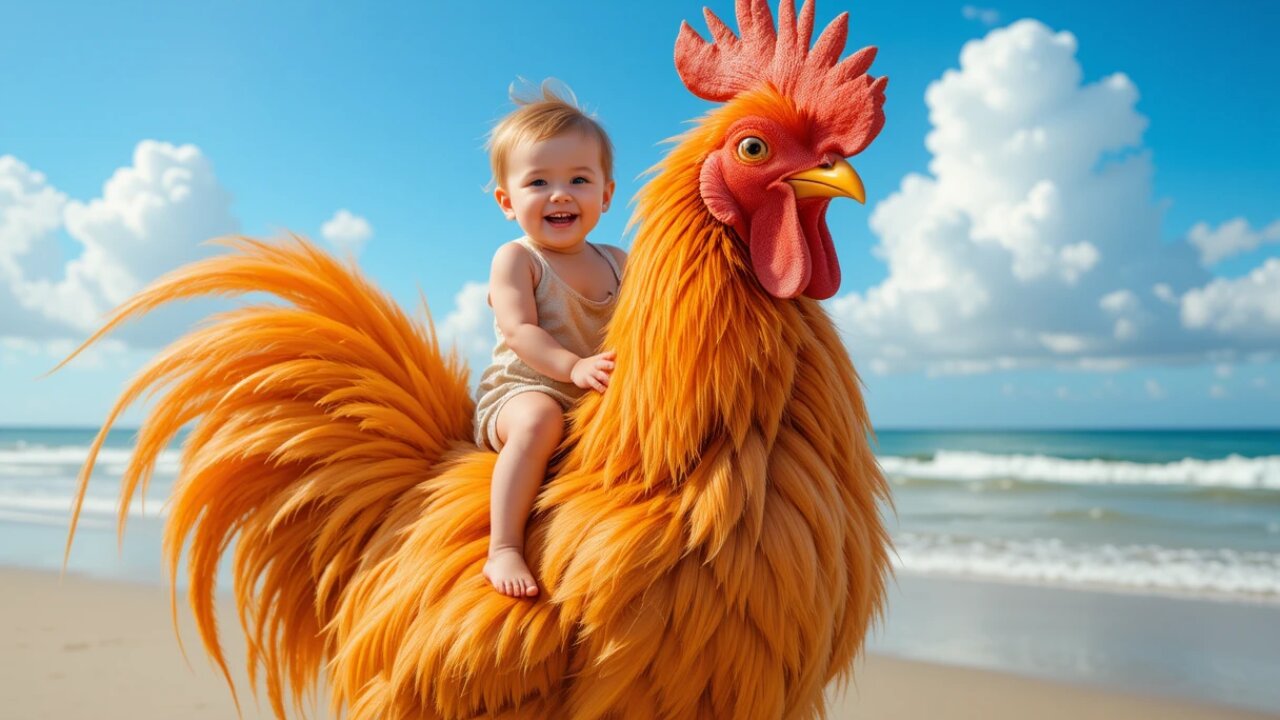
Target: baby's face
{"x":555,"y":189}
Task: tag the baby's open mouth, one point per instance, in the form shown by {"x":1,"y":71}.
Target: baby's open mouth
{"x":561,"y":219}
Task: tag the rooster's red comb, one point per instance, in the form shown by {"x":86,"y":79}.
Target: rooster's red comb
{"x":843,"y":100}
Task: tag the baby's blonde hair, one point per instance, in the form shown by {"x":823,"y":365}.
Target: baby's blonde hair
{"x":543,"y":113}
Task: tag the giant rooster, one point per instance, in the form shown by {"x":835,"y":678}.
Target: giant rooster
{"x":709,"y":539}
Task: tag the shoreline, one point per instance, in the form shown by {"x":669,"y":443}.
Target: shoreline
{"x":86,"y":647}
{"x":1156,"y":593}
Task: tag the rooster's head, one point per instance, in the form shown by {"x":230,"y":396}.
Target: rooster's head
{"x":777,"y":149}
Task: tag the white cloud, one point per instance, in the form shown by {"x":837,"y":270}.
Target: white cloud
{"x":986,"y":16}
{"x":1230,"y":238}
{"x":151,"y":217}
{"x":347,"y":232}
{"x":1246,"y":306}
{"x":30,"y":210}
{"x":1124,"y":306}
{"x":1035,"y":238}
{"x":30,"y":214}
{"x":1155,"y":390}
{"x":1075,"y":260}
{"x":1120,"y":302}
{"x":469,"y":327}
{"x":1223,"y":370}
{"x":1217,"y":392}
{"x":1164,"y":293}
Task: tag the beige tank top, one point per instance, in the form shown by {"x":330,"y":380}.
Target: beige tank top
{"x":575,"y":321}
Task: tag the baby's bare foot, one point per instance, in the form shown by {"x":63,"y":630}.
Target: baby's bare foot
{"x":509,"y":574}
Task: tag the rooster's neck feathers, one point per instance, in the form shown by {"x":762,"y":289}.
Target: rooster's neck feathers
{"x":704,"y":354}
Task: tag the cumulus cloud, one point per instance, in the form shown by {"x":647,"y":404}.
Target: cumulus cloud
{"x":1230,"y":238}
{"x":347,"y":232}
{"x":469,"y":327}
{"x":151,"y":217}
{"x":1034,"y":240}
{"x":30,"y":215}
{"x":1247,"y":306}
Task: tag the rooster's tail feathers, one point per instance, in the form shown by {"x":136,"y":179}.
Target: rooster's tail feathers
{"x":311,"y":420}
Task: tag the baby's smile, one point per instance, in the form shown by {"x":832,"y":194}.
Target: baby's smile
{"x":561,"y":219}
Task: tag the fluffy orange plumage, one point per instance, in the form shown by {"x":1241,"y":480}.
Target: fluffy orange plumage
{"x":709,"y":541}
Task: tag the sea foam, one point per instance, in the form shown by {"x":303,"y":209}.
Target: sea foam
{"x":45,"y":460}
{"x":1233,"y":471}
{"x":60,"y":506}
{"x":1212,"y":572}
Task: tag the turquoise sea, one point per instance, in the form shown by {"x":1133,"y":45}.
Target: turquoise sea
{"x":1146,"y":559}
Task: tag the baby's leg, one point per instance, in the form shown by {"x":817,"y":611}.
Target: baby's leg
{"x":530,"y":426}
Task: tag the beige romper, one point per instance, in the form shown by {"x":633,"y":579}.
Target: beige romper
{"x":575,"y":321}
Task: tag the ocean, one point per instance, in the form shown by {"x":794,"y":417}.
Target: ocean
{"x":1151,"y":524}
{"x":1185,"y":512}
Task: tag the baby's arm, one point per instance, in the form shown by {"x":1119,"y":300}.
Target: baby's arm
{"x":511,"y":293}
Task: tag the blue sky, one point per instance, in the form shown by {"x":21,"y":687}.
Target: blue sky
{"x":294,"y":113}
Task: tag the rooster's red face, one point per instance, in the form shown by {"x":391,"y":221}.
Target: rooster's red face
{"x":777,"y":150}
{"x":772,"y":185}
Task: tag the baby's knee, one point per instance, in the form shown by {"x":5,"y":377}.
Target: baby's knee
{"x":537,"y":421}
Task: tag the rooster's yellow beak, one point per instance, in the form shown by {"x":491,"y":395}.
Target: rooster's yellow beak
{"x":838,"y":180}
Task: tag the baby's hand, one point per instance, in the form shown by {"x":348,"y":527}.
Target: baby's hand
{"x":593,"y":372}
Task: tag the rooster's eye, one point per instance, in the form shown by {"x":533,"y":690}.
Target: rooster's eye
{"x":753,"y":150}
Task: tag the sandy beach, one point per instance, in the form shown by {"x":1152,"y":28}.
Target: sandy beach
{"x":84,"y":648}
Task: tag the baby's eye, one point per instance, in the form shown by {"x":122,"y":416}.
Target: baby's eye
{"x":580,"y":180}
{"x":538,"y":183}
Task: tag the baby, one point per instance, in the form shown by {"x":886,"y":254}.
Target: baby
{"x":552,"y":293}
